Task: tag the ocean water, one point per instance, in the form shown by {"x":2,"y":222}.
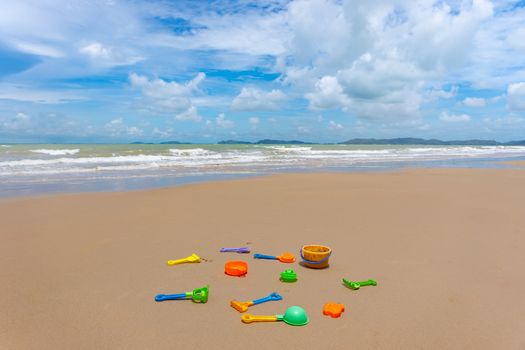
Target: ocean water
{"x":37,"y":169}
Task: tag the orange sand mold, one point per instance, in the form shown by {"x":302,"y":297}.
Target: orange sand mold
{"x":333,"y":309}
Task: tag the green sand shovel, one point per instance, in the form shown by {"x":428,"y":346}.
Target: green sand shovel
{"x":199,"y":295}
{"x":294,"y":315}
{"x":357,"y":285}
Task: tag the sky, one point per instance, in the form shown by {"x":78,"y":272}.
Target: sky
{"x":315,"y":70}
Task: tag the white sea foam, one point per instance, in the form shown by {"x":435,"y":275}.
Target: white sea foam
{"x":224,"y":160}
{"x":5,"y":146}
{"x":190,"y":152}
{"x":57,"y":152}
{"x":288,"y":149}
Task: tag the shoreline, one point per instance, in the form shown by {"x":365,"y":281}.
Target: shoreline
{"x":516,"y":163}
{"x":31,"y":170}
{"x":445,"y":245}
{"x":162,"y":181}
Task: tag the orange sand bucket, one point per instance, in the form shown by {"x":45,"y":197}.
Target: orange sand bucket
{"x":315,"y":256}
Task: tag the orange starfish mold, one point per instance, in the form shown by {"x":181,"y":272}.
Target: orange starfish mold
{"x":333,"y":309}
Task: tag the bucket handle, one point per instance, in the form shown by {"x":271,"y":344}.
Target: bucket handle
{"x":314,"y":262}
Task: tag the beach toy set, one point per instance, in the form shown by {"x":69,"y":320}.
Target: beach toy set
{"x":312,"y":256}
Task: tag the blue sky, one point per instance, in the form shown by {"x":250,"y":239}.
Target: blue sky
{"x":316,"y":70}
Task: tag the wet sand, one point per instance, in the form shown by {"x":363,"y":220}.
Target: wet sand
{"x":519,"y":163}
{"x":446,"y":246}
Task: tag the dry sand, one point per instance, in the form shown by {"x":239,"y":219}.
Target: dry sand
{"x":447,"y":247}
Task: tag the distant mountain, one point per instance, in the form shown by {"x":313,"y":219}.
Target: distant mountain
{"x":435,"y":142}
{"x":282,"y":142}
{"x":234,"y":142}
{"x":174,"y":143}
{"x":515,"y":143}
{"x":362,"y":141}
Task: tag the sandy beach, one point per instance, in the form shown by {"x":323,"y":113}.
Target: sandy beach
{"x":80,"y":271}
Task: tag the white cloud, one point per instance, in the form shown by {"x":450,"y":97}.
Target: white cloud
{"x":504,"y":122}
{"x":516,"y":96}
{"x":38,"y":49}
{"x":116,"y":127}
{"x":328,"y":94}
{"x":64,"y":35}
{"x":222,"y":122}
{"x":30,"y":94}
{"x":162,"y":133}
{"x":252,"y":99}
{"x":169,"y":97}
{"x":38,"y":126}
{"x":241,"y":30}
{"x":516,"y":39}
{"x":498,"y":50}
{"x":96,"y":51}
{"x":480,"y":101}
{"x":163,"y":90}
{"x":443,"y":94}
{"x":134,"y":131}
{"x":105,"y":56}
{"x":301,"y":129}
{"x":474,"y":102}
{"x":254,"y":122}
{"x":20,"y":121}
{"x":376,"y":59}
{"x":332,"y":125}
{"x":189,"y":114}
{"x":453,"y":118}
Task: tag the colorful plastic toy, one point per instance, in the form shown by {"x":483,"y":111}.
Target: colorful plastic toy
{"x":357,"y":285}
{"x":236,"y":268}
{"x":333,"y":309}
{"x":294,"y":315}
{"x":235,"y":250}
{"x":284,"y":257}
{"x":193,"y":258}
{"x":243,"y":306}
{"x":199,"y":295}
{"x":315,"y":256}
{"x":288,"y":276}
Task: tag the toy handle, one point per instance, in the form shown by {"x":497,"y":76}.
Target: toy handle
{"x":236,"y":250}
{"x":271,"y":297}
{"x":247,"y":318}
{"x":262,"y":256}
{"x":162,"y":297}
{"x":175,"y":262}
